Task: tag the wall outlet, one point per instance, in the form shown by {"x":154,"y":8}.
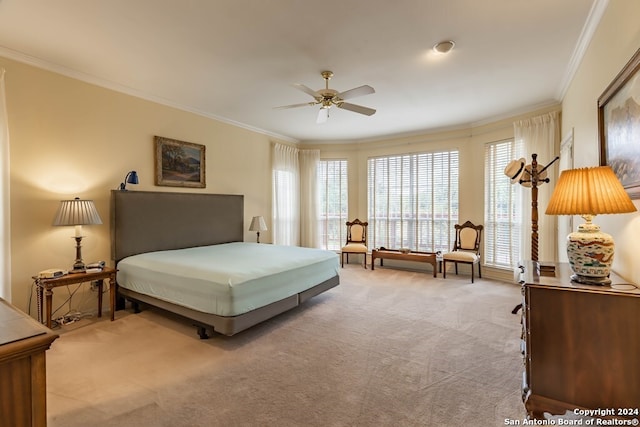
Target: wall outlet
{"x":94,"y":286}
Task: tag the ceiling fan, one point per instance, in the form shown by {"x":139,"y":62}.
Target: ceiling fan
{"x":327,"y":98}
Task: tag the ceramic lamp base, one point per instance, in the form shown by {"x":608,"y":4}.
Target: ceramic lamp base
{"x":586,"y":280}
{"x":590,"y":254}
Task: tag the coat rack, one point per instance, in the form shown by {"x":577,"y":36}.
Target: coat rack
{"x":534,"y":178}
{"x":530,"y":176}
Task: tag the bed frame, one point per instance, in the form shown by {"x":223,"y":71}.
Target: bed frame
{"x":145,"y":221}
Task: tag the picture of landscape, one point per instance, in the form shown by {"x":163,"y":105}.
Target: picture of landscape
{"x":179,"y":163}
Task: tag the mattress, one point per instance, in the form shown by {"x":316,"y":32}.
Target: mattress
{"x":227,"y":279}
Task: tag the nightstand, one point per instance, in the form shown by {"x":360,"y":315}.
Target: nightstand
{"x":45,"y":290}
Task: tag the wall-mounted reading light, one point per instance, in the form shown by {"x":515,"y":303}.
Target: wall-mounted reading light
{"x":130,"y":178}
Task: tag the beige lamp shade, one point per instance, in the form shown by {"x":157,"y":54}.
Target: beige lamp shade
{"x":258,"y":224}
{"x":77,"y":212}
{"x":588,"y":192}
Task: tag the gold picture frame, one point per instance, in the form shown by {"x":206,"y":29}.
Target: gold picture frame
{"x":179,"y":163}
{"x":619,"y":126}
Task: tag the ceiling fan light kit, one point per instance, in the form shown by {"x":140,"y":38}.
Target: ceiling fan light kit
{"x":328,"y":97}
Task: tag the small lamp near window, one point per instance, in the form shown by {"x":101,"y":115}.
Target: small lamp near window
{"x":130,"y":178}
{"x":78,"y":213}
{"x":589,"y":192}
{"x":258,"y":225}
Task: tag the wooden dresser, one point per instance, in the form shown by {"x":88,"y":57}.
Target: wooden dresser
{"x":581,"y":345}
{"x":23,"y":392}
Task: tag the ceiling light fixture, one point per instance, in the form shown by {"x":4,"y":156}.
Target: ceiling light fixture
{"x":444,"y":46}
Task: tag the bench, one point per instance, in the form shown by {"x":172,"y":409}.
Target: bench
{"x":428,"y":257}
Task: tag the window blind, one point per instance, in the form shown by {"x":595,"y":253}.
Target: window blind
{"x":503,"y":206}
{"x":332,"y":186}
{"x":413,"y":200}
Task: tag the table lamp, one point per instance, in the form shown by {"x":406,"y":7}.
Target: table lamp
{"x":589,"y":192}
{"x":258,"y":225}
{"x":78,"y":213}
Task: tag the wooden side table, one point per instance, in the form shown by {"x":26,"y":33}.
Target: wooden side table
{"x":45,"y":290}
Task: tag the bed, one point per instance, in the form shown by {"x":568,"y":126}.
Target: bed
{"x":184,"y":253}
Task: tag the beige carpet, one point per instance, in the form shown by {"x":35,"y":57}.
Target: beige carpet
{"x":385,"y":348}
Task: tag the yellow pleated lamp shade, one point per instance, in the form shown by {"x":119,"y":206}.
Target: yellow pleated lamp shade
{"x":589,"y":191}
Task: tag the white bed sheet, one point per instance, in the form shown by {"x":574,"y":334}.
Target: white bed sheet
{"x":227,"y":279}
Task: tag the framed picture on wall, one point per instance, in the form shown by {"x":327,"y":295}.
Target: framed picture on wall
{"x":619,"y":126}
{"x":179,"y":163}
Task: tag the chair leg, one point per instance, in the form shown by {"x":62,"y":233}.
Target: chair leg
{"x":472,"y":272}
{"x":456,"y":268}
{"x":444,"y":268}
{"x":479,"y":270}
{"x":365,"y":260}
{"x":342,"y":258}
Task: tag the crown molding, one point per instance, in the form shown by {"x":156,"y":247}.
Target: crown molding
{"x":593,"y":20}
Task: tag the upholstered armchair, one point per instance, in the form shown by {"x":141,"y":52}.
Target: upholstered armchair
{"x":466,"y":248}
{"x":356,"y":241}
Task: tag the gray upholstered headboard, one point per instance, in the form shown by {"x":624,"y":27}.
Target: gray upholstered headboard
{"x":145,"y":221}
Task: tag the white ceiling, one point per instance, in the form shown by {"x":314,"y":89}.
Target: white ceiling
{"x":235,"y":60}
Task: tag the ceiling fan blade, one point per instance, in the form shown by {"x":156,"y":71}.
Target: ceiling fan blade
{"x":357,"y":108}
{"x":323,"y":115}
{"x":304,"y":104}
{"x":358,"y":91}
{"x":307,"y":90}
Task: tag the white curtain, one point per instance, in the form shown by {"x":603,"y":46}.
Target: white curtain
{"x":309,"y":202}
{"x":565,"y":222}
{"x":540,"y":135}
{"x":5,"y":226}
{"x":286,"y":195}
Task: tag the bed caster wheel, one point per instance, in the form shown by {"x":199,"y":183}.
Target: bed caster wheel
{"x":202,"y":333}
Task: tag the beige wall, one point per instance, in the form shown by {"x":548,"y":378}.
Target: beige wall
{"x":69,"y":139}
{"x":615,"y":41}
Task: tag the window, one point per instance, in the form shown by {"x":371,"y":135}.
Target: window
{"x":413,"y":201}
{"x":503,"y":206}
{"x":332,"y":187}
